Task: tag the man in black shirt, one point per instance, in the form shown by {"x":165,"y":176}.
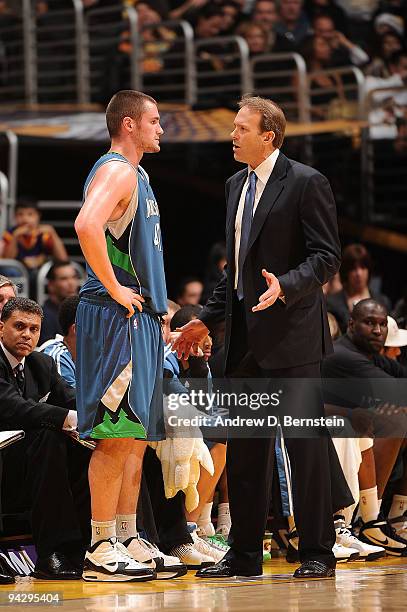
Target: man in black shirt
{"x":357,"y":357}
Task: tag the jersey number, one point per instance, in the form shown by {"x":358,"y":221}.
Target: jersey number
{"x":157,"y":236}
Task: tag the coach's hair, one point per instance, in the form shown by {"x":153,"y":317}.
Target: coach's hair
{"x":23,"y":305}
{"x":125,"y":103}
{"x":272,"y":116}
{"x":67,"y":313}
{"x":6,"y":282}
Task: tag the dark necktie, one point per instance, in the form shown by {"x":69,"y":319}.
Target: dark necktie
{"x":19,"y":373}
{"x":245,"y":229}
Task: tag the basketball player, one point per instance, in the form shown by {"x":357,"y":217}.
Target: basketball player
{"x":119,"y":342}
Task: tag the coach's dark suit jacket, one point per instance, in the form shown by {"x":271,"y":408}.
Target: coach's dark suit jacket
{"x":41,"y":380}
{"x":294,"y":235}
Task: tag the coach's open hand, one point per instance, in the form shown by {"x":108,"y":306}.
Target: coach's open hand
{"x":271,"y":295}
{"x":189,"y":336}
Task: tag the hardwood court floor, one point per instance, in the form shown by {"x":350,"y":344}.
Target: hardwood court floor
{"x":359,"y":587}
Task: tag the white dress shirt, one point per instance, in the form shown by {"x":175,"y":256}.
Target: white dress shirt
{"x":11,"y":359}
{"x":263,"y":172}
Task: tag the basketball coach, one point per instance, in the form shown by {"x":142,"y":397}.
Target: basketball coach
{"x":282,"y":246}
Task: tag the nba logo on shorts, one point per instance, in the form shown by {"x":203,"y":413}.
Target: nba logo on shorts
{"x":135,"y":324}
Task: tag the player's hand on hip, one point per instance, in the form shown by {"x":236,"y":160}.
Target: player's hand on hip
{"x":271,"y":295}
{"x":185,"y":340}
{"x":128,"y":298}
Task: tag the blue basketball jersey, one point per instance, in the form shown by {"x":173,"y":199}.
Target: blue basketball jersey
{"x":134,"y":243}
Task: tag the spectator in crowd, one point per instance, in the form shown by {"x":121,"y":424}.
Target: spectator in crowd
{"x":326,"y":89}
{"x":389,"y":43}
{"x":259,"y":39}
{"x":63,"y":282}
{"x":395,"y":340}
{"x":231,"y":12}
{"x":157,"y":41}
{"x":314,"y":8}
{"x":8,"y":290}
{"x":292,"y":25}
{"x":189,"y":291}
{"x":62,"y":348}
{"x":265,"y":13}
{"x":357,"y":353}
{"x":344,"y":51}
{"x":387,"y":23}
{"x":208,"y":23}
{"x":355,"y":273}
{"x":47,"y":467}
{"x":30,"y":242}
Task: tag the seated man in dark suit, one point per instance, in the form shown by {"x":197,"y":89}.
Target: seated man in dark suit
{"x":357,"y":358}
{"x":47,"y":467}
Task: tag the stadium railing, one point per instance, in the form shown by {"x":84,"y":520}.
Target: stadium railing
{"x":167,"y":68}
{"x":344,"y":99}
{"x":60,"y":55}
{"x":104,"y":28}
{"x":17,"y":273}
{"x":222,"y":69}
{"x":283,"y":77}
{"x":15,"y":82}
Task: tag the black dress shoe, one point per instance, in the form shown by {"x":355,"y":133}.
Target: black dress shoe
{"x":314,"y":569}
{"x":56,"y":567}
{"x":225,"y":569}
{"x":6,"y":574}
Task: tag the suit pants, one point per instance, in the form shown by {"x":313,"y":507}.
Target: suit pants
{"x":249,"y":465}
{"x":48,"y":473}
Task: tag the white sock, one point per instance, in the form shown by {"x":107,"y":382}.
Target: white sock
{"x":205,"y":520}
{"x":126,"y":526}
{"x":398,"y":506}
{"x":369,"y":504}
{"x":224,"y":519}
{"x":102,"y":530}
